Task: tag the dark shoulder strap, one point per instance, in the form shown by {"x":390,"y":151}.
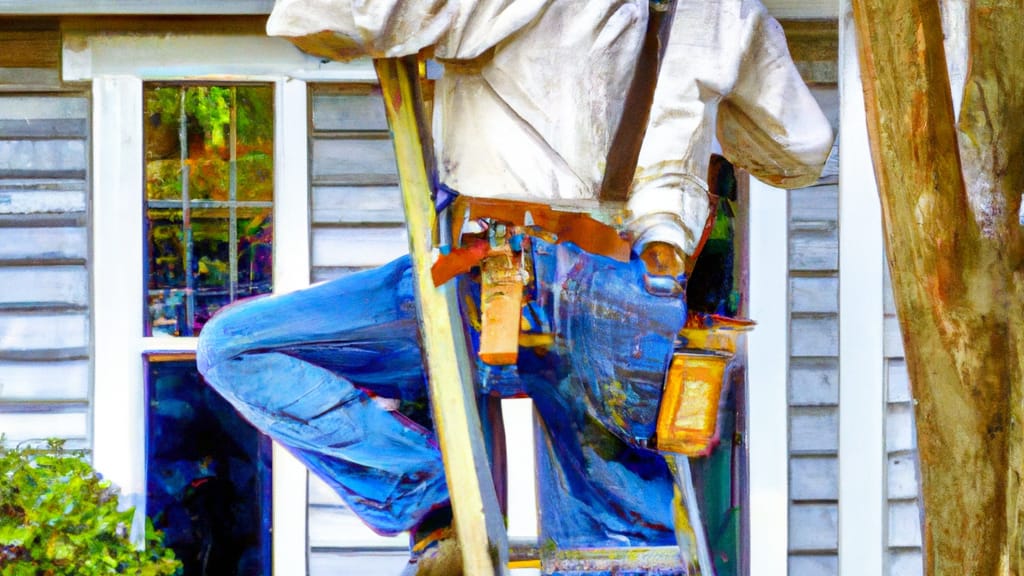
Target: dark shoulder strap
{"x":629,"y":136}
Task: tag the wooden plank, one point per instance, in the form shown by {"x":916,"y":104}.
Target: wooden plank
{"x":21,"y":427}
{"x":802,"y":9}
{"x":349,"y":112}
{"x":36,"y":107}
{"x":41,"y":202}
{"x":44,"y":286}
{"x":906,"y":563}
{"x":899,"y":427}
{"x":889,"y":299}
{"x":358,"y":247}
{"x":813,"y":251}
{"x":25,"y":381}
{"x":42,"y":158}
{"x":814,"y":478}
{"x":813,"y":381}
{"x":814,"y":336}
{"x":893,"y":338}
{"x":44,"y":128}
{"x":29,"y":48}
{"x":323,"y":274}
{"x":26,"y":332}
{"x":901,"y":475}
{"x":43,"y":244}
{"x":898,"y":381}
{"x":29,"y":79}
{"x":905,"y":524}
{"x":813,"y":527}
{"x":320,"y":494}
{"x":817,"y":565}
{"x":477,"y":516}
{"x":331,"y":563}
{"x":330,"y":526}
{"x":814,"y":429}
{"x":355,"y":204}
{"x":815,"y":204}
{"x":814,"y":295}
{"x":335,"y":160}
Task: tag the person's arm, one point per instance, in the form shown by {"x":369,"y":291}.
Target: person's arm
{"x":346,"y":29}
{"x":769,"y":123}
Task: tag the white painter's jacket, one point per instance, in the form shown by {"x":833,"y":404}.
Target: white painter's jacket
{"x":533,"y":90}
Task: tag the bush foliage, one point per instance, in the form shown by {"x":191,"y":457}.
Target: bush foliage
{"x":58,"y":517}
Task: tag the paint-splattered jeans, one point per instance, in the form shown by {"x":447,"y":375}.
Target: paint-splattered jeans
{"x":305,"y":368}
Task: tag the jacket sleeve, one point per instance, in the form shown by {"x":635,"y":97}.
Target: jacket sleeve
{"x":769,"y":123}
{"x":347,"y":29}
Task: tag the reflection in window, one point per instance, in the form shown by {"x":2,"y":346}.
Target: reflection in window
{"x":209,"y":201}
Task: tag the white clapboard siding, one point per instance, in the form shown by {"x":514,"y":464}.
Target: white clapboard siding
{"x":42,"y":157}
{"x":905,"y":556}
{"x":813,"y":565}
{"x":44,"y":286}
{"x":813,"y":381}
{"x":48,"y":244}
{"x":814,"y":478}
{"x":357,"y":204}
{"x":357,"y":222}
{"x":41,"y":381}
{"x":813,"y":393}
{"x":813,"y":528}
{"x":42,"y":196}
{"x":45,"y":372}
{"x":359,"y":247}
{"x":56,"y":422}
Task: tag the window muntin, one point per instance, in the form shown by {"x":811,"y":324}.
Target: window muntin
{"x":209,"y":200}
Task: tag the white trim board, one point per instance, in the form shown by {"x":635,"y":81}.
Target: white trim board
{"x":118,"y":403}
{"x":767,"y":359}
{"x":87,"y":55}
{"x":291,"y":272}
{"x":861,"y":346}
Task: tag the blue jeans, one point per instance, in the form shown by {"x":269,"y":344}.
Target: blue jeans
{"x":305,"y":367}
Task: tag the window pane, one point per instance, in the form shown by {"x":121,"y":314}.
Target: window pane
{"x":255,"y":251}
{"x":255,"y":134}
{"x":208,"y":480}
{"x":209,"y":193}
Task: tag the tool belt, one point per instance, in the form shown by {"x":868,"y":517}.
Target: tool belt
{"x":491,"y":237}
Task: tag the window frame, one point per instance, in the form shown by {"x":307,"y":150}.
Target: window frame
{"x":117,"y":65}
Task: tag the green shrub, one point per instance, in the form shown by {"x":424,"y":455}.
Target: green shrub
{"x":58,"y":517}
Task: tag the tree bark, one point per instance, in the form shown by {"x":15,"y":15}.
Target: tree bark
{"x":950,"y":203}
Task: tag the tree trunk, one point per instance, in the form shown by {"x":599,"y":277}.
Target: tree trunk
{"x":954,"y":246}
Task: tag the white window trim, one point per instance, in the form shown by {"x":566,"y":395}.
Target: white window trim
{"x":767,"y":370}
{"x":862,"y":478}
{"x":117,"y":65}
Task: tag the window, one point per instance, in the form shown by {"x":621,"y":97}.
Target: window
{"x":209,"y":153}
{"x":208,"y":473}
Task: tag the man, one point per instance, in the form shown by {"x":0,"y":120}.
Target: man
{"x":526,"y":110}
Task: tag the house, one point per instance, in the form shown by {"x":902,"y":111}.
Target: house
{"x":291,"y":180}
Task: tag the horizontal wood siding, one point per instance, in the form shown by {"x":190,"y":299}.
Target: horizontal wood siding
{"x":814,"y":380}
{"x":44,"y":278}
{"x":904,"y":554}
{"x":357,"y":222}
